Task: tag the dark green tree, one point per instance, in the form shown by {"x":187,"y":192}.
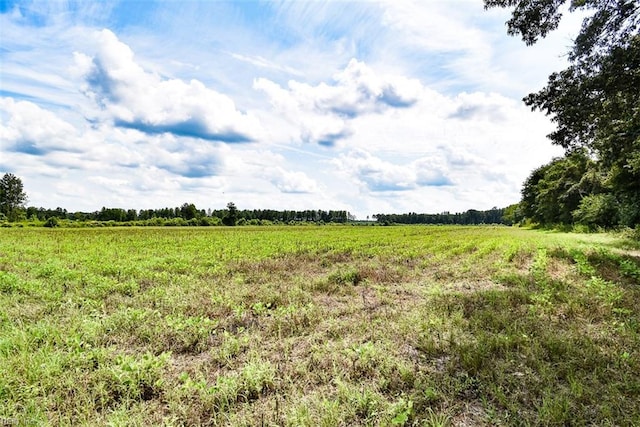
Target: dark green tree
{"x":554,"y":191}
{"x":597,"y":210}
{"x":12,"y":196}
{"x":188,"y":211}
{"x":529,"y":202}
{"x":132,"y":215}
{"x":231,"y":217}
{"x":512,"y":214}
{"x":595,"y":102}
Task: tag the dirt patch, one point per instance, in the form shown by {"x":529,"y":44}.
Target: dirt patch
{"x":189,"y":363}
{"x":472,"y":415}
{"x":560,"y":269}
{"x":633,"y":253}
{"x":471,"y":286}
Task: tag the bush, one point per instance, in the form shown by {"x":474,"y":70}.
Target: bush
{"x":597,"y":210}
{"x":52,"y":222}
{"x":175,"y":222}
{"x":632,"y":233}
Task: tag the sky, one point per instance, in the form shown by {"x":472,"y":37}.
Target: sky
{"x":387,"y":106}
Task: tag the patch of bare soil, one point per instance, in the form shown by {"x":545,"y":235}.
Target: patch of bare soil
{"x":629,"y":252}
{"x":470,"y":286}
{"x":472,"y":415}
{"x":560,"y":269}
{"x":189,"y":363}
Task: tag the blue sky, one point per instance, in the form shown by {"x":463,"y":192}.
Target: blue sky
{"x":368,"y":106}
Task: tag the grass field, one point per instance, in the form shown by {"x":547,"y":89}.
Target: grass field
{"x":318,"y":326}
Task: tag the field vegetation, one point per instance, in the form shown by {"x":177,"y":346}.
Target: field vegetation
{"x":318,"y":326}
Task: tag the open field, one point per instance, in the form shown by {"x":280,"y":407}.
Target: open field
{"x":318,"y":326}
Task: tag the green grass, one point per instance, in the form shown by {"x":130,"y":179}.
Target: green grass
{"x":318,"y":326}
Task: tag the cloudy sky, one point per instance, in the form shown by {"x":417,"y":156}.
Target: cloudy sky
{"x":383,"y":106}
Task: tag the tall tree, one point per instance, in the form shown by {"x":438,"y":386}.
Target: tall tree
{"x":554,"y":191}
{"x":12,"y":196}
{"x":595,"y":102}
{"x":231,"y":217}
{"x":188,"y":211}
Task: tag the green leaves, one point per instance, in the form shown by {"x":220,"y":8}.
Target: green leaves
{"x":554,"y":191}
{"x":12,"y":196}
{"x":530,"y":19}
{"x":595,"y":102}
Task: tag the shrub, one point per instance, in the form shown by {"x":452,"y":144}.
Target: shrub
{"x":52,"y":222}
{"x":597,"y":210}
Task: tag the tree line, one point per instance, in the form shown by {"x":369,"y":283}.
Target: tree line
{"x":189,"y":212}
{"x":471,"y":217}
{"x":13,"y":198}
{"x":595,"y":105}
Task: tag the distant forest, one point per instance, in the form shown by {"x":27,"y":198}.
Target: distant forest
{"x":506,"y":216}
{"x":13,"y":200}
{"x":189,"y":215}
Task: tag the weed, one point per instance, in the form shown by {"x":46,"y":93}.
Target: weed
{"x":345,"y":277}
{"x":435,"y":419}
{"x":402,"y":412}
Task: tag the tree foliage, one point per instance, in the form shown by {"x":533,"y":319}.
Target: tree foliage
{"x":554,"y":191}
{"x":507,"y":216}
{"x":231,"y":217}
{"x":597,"y":210}
{"x":12,"y":196}
{"x":189,"y":214}
{"x":595,"y":102}
{"x":611,"y":23}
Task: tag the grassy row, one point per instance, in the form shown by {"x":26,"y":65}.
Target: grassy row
{"x":318,"y":326}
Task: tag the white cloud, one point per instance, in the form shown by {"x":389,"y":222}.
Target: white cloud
{"x":482,"y":106}
{"x":359,"y":90}
{"x":142,"y":100}
{"x":444,"y":153}
{"x":292,"y":181}
{"x":264,"y":171}
{"x":379,"y":175}
{"x":32,"y":130}
{"x":323,"y":112}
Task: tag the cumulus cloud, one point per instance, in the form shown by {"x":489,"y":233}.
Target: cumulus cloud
{"x":323,"y":112}
{"x":360,"y":90}
{"x":138,"y":99}
{"x":292,"y":181}
{"x":194,"y":161}
{"x":262,"y":171}
{"x":459,"y":157}
{"x":379,"y":175}
{"x":431,"y":172}
{"x":30,"y":129}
